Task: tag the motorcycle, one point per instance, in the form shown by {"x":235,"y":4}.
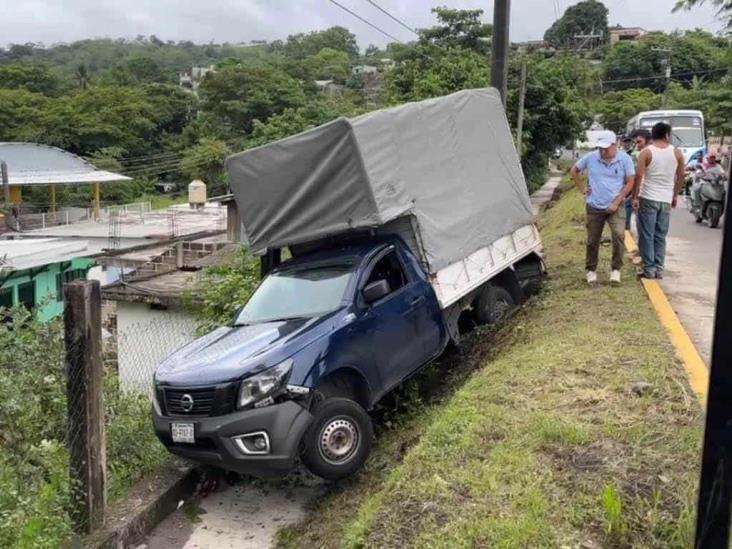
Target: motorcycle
{"x":706,"y":197}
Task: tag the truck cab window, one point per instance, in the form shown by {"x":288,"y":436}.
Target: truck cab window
{"x":390,"y":269}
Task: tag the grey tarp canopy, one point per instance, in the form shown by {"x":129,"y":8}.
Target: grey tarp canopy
{"x":450,"y":162}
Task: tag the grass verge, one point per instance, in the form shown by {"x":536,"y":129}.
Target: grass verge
{"x":550,"y":442}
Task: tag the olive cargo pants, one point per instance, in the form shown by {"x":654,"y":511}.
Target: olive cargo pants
{"x":596,"y":220}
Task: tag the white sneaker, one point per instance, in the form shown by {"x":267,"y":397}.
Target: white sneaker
{"x":591,"y":277}
{"x":615,"y":277}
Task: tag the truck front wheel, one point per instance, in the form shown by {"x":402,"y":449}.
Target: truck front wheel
{"x":339,"y":439}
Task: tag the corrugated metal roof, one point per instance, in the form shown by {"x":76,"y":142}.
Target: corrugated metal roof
{"x":35,"y":164}
{"x":27,"y":254}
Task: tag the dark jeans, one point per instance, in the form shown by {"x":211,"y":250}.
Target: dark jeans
{"x":628,"y":212}
{"x":653,"y":222}
{"x":596,"y":220}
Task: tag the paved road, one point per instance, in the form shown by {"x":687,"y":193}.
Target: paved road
{"x":690,"y":281}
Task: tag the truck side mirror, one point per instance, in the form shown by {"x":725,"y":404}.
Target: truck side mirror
{"x":375,"y":291}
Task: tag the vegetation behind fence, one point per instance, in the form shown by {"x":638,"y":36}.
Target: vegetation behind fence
{"x":34,"y":463}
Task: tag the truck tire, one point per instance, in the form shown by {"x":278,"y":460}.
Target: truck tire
{"x":492,"y":304}
{"x":339,"y":439}
{"x":714,"y":213}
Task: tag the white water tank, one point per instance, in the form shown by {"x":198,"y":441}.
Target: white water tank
{"x":196,"y":193}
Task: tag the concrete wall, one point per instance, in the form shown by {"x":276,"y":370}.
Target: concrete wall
{"x":144,"y":337}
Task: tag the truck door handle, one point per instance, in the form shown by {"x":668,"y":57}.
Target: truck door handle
{"x":416,"y":301}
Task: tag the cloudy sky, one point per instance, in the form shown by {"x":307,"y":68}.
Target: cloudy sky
{"x":50,"y":21}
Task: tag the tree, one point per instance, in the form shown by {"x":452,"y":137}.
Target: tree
{"x":725,"y":7}
{"x":31,"y":77}
{"x":98,"y":117}
{"x":236,"y":96}
{"x":587,"y":17}
{"x":629,"y":65}
{"x":22,"y":114}
{"x":205,"y":161}
{"x":329,"y":64}
{"x":557,"y":108}
{"x":300,"y":46}
{"x":439,"y":72}
{"x":643,"y":63}
{"x":139,"y":70}
{"x":461,"y":28}
{"x":616,"y":108}
{"x":292,"y":121}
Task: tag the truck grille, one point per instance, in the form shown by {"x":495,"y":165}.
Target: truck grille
{"x":198,"y":402}
{"x":207,"y":401}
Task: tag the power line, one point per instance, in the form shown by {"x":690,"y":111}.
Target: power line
{"x":369,"y":23}
{"x":663,"y":76}
{"x":392,"y":17}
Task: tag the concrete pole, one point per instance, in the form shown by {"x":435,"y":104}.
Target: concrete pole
{"x":520,"y":121}
{"x":499,"y":50}
{"x":52,"y":189}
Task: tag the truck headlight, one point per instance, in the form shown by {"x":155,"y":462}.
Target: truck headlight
{"x":263,"y":384}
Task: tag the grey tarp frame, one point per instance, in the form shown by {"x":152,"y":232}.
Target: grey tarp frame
{"x":450,"y":162}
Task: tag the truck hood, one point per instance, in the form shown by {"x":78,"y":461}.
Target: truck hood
{"x":229,"y":353}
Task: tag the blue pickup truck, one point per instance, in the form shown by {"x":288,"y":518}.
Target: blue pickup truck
{"x":322,"y":339}
{"x":394,"y":239}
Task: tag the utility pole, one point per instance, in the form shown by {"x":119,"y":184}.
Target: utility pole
{"x":667,"y":73}
{"x":715,"y":484}
{"x":522,"y":99}
{"x":6,"y":182}
{"x":499,"y":49}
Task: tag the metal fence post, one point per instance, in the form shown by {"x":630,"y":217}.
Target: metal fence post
{"x":85,"y":426}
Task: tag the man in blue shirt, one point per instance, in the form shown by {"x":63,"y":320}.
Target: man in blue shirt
{"x":610,"y":175}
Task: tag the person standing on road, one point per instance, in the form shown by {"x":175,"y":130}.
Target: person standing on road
{"x":640,"y":138}
{"x":610,"y":176}
{"x":659,"y":180}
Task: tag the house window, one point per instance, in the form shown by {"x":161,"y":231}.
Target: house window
{"x":27,"y":294}
{"x":6,"y":297}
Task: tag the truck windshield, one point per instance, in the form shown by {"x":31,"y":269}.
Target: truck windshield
{"x":297,"y":293}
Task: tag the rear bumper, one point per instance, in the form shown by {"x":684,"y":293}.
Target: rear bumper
{"x":283,"y":423}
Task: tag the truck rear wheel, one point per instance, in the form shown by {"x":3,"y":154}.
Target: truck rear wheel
{"x":493,"y":304}
{"x":339,"y":439}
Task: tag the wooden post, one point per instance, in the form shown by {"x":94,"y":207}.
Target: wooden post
{"x":85,"y":430}
{"x":233,"y":222}
{"x":96,"y":201}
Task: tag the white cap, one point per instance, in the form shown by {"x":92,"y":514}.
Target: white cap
{"x":605,"y":139}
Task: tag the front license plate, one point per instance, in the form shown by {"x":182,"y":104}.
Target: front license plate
{"x":182,"y":432}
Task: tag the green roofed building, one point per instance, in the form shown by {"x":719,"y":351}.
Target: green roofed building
{"x":33,"y":271}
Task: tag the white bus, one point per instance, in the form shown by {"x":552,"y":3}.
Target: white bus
{"x":687,"y":127}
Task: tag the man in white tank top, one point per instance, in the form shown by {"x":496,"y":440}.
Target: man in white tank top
{"x":659,"y":180}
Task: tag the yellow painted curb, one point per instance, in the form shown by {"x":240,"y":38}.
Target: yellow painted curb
{"x":695,"y":368}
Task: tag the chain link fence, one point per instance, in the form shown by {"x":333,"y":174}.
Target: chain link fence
{"x":75,"y":415}
{"x":137,"y":347}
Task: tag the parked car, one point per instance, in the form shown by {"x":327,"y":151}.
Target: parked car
{"x":394,"y":236}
